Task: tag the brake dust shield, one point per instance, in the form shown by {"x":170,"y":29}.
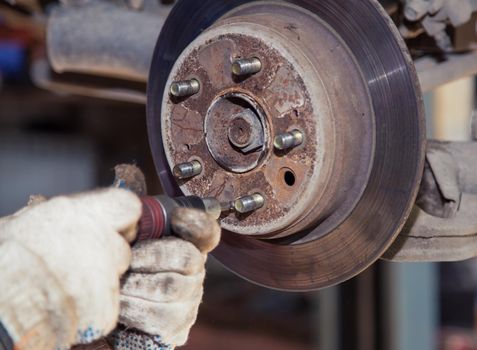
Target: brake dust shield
{"x":335,"y":71}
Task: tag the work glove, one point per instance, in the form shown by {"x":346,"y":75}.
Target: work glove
{"x":160,"y":295}
{"x":60,"y":267}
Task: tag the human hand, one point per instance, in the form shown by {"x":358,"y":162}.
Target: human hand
{"x":60,"y":263}
{"x":160,"y":296}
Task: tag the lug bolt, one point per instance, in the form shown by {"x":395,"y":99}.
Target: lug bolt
{"x":187,"y":170}
{"x":245,"y":131}
{"x":248,"y":204}
{"x":288,"y":140}
{"x":185,"y":88}
{"x":246,"y":66}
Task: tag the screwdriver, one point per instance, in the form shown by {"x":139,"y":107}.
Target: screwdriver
{"x":157,"y":210}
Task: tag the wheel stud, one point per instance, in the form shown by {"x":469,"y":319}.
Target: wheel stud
{"x":246,"y":66}
{"x":185,"y":88}
{"x":248,"y":204}
{"x":288,"y":140}
{"x":187,"y":170}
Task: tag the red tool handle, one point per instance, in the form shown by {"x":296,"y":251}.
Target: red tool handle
{"x":157,"y":212}
{"x":152,"y":224}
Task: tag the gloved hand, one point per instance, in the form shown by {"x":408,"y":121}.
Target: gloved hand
{"x":60,"y":265}
{"x":161,"y":294}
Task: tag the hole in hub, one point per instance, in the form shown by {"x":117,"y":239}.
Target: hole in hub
{"x":289,"y":178}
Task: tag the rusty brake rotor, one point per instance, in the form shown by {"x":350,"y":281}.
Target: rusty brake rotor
{"x":309,"y":108}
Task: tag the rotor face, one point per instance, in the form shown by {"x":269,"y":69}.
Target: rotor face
{"x":233,"y":123}
{"x":334,"y":75}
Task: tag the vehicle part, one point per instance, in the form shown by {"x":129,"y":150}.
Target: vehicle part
{"x":106,"y":39}
{"x":288,"y":140}
{"x":339,"y":72}
{"x":246,"y":66}
{"x":442,"y":226}
{"x":249,"y":204}
{"x":87,"y":85}
{"x":185,"y":88}
{"x":113,"y":41}
{"x":187,"y":170}
{"x":435,"y":16}
{"x":434,"y":72}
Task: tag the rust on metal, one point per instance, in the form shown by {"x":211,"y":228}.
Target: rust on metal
{"x":278,"y":98}
{"x":286,"y":95}
{"x":240,"y":132}
{"x":333,"y":204}
{"x":218,"y":122}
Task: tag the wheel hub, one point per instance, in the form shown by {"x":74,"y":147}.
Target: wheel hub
{"x":301,"y":185}
{"x":235,"y":132}
{"x":310,"y":112}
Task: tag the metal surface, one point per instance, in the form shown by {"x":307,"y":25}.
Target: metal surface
{"x":231,"y":119}
{"x":443,"y":225}
{"x":103,"y":38}
{"x":185,"y":88}
{"x":187,"y":170}
{"x":246,"y":66}
{"x":246,"y":131}
{"x":288,"y":140}
{"x":336,"y":70}
{"x":320,"y":181}
{"x":84,"y":85}
{"x":433,"y":73}
{"x":249,"y":204}
{"x":104,"y":48}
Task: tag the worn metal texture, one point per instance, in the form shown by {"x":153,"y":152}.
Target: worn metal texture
{"x":318,"y":181}
{"x":443,"y":224}
{"x":232,"y":120}
{"x":92,"y":86}
{"x":103,"y":38}
{"x":433,"y":72}
{"x":343,"y":231}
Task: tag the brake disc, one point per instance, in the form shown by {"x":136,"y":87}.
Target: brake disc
{"x":335,"y":78}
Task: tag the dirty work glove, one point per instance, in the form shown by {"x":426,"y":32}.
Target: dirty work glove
{"x":161,"y":294}
{"x":60,"y":265}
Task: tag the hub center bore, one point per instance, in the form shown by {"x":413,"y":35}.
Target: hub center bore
{"x":280,"y":127}
{"x":235,"y":137}
{"x":240,"y":130}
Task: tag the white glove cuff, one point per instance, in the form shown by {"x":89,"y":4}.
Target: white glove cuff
{"x":33,"y":308}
